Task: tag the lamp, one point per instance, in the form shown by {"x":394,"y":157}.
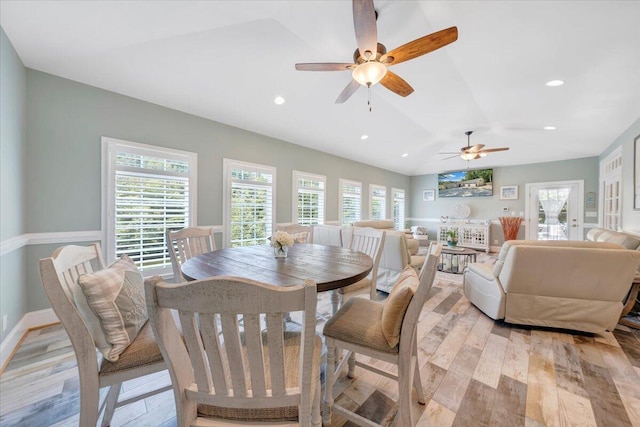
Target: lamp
{"x":469,"y":156}
{"x":369,"y":73}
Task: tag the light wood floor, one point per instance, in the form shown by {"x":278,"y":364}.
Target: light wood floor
{"x":476,"y":372}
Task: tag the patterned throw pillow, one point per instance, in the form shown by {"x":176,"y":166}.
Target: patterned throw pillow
{"x":116,"y":296}
{"x":396,"y":305}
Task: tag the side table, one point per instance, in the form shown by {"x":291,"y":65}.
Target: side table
{"x":632,"y":321}
{"x":455,"y":259}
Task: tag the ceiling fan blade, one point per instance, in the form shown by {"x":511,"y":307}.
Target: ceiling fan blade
{"x":326,"y":66}
{"x":396,"y":84}
{"x":420,"y":46}
{"x":348,"y":91}
{"x":493,"y":150}
{"x":450,"y":152}
{"x":450,"y":157}
{"x":364,"y":23}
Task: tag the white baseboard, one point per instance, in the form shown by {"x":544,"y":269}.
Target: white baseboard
{"x":29,"y":321}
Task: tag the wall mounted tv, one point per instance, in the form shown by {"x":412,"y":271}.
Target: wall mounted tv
{"x":466,"y":183}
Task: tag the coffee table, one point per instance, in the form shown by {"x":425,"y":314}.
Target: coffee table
{"x":455,"y":259}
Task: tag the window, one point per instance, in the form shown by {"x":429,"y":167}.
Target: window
{"x":378,"y":201}
{"x":398,"y":208}
{"x":146,"y":191}
{"x":350,"y":201}
{"x":308,"y":198}
{"x":249,"y":203}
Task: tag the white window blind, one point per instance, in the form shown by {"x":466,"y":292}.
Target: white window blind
{"x":398,"y":208}
{"x":350,"y":201}
{"x":149,"y":190}
{"x":377,"y":202}
{"x":308,"y":198}
{"x":249,"y":203}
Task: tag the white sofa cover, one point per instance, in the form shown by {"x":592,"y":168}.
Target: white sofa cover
{"x":562,"y":284}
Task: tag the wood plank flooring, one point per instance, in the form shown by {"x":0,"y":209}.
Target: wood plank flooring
{"x":476,"y":372}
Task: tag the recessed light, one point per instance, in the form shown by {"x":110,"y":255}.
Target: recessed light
{"x":363,"y":137}
{"x":554,"y":83}
{"x":549,"y":128}
{"x":278,"y":100}
{"x":405,"y":154}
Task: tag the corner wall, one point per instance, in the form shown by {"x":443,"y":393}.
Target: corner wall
{"x":13,"y":296}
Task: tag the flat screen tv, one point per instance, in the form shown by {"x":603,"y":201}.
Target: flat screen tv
{"x":466,"y":183}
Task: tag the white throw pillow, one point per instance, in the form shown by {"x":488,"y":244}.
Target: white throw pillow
{"x":116,"y":297}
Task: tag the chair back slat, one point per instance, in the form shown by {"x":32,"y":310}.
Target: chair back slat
{"x":233,"y":346}
{"x":196,"y":349}
{"x":240,"y":364}
{"x":256,"y":357}
{"x":275,"y":326}
{"x":213,"y":348}
{"x":187,"y":243}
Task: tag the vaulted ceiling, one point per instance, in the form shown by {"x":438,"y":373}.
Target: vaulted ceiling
{"x":228,"y":60}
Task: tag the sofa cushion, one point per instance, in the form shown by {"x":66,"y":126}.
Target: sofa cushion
{"x":623,"y":239}
{"x":396,"y":305}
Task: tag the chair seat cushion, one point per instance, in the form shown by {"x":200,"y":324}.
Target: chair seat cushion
{"x":292,"y":379}
{"x":359,"y":321}
{"x":141,"y":352}
{"x":116,"y":296}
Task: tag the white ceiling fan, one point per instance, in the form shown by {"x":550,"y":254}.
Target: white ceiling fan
{"x":473,"y":152}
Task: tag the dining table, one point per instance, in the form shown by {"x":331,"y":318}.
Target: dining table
{"x":330,"y":267}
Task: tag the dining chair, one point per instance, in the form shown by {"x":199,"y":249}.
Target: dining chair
{"x":187,"y":243}
{"x":258,"y":374}
{"x":60,"y":274}
{"x":384,"y":331}
{"x":300,"y":233}
{"x":371,"y":242}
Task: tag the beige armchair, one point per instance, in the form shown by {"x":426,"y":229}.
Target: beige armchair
{"x":561,"y":284}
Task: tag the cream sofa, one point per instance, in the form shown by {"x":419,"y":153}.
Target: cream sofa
{"x":561,"y":284}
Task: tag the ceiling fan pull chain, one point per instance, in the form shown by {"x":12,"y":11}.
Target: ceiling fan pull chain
{"x":369,"y":97}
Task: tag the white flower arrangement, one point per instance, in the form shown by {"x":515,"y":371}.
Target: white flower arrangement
{"x":281,"y":239}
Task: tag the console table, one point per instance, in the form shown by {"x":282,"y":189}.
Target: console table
{"x":469,"y":235}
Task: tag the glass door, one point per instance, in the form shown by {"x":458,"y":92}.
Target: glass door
{"x":554,"y":211}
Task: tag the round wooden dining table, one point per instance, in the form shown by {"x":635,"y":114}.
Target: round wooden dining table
{"x":331,"y":267}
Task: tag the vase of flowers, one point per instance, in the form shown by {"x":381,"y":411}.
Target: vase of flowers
{"x":452,"y":237}
{"x":281,"y":241}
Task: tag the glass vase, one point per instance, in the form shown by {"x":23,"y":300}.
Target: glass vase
{"x":280,"y":251}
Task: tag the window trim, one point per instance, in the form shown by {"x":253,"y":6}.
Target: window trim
{"x":341,"y":182}
{"x":109,"y":147}
{"x":227,"y":167}
{"x":297,"y":175}
{"x":395,"y":190}
{"x":373,"y":187}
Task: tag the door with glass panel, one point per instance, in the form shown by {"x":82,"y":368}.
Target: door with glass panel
{"x":554,"y":211}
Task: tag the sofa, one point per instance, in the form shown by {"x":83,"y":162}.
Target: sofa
{"x":562,"y":284}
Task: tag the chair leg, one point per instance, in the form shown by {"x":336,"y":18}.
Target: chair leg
{"x":316,"y":418}
{"x":329,"y":374}
{"x":417,"y":381}
{"x":404,"y":395}
{"x":352,"y":364}
{"x":110,"y":404}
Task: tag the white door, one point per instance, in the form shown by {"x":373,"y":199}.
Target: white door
{"x":554,"y":210}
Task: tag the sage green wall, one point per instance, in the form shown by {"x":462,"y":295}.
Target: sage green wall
{"x":12,"y":143}
{"x":630,"y":217}
{"x":491,"y":207}
{"x":66,"y":120}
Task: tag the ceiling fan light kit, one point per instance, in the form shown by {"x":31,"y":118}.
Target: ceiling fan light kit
{"x":371,"y":58}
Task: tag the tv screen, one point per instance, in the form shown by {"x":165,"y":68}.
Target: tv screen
{"x":466,"y":183}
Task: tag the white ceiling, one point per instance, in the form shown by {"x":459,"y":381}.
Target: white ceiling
{"x":227,"y":60}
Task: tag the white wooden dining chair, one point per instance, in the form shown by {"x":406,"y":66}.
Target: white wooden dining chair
{"x":384,"y":331}
{"x":371,"y":242}
{"x":187,"y":243}
{"x":59,"y":274}
{"x":233,"y":375}
{"x":328,"y":235}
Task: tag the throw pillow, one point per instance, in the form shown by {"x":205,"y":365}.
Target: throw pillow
{"x":396,"y":305}
{"x":116,"y":296}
